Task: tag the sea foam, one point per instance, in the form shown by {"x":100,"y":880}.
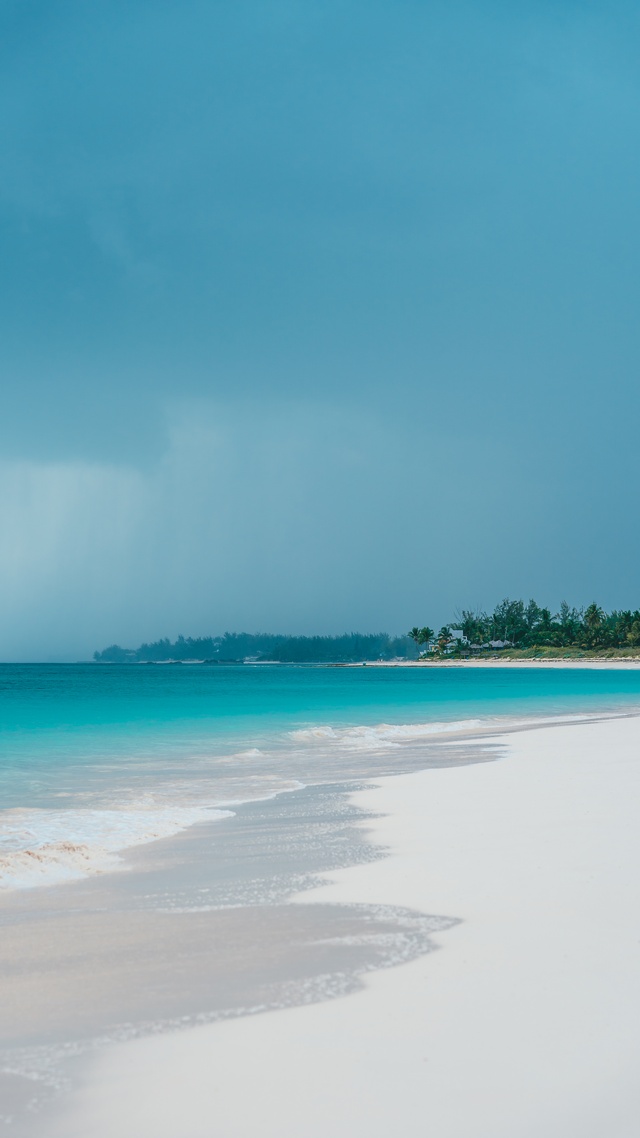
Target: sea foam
{"x":383,"y":736}
{"x":47,"y":847}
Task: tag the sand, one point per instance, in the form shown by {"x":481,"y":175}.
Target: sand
{"x":628,"y":663}
{"x":525,"y":1022}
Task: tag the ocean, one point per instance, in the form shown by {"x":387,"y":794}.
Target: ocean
{"x":95,"y":760}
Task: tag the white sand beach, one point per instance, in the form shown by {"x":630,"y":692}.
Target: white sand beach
{"x":525,"y":1022}
{"x":624,"y":664}
{"x":594,"y":665}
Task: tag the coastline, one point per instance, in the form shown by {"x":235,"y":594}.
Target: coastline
{"x":80,"y":845}
{"x":607,"y":665}
{"x":525,"y":1020}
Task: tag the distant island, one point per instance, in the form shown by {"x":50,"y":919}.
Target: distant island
{"x":237,"y":647}
{"x":518,"y":630}
{"x":514,"y":630}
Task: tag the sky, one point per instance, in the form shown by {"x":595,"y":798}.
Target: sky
{"x":314,"y":316}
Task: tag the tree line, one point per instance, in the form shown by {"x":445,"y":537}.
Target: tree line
{"x":529,"y":625}
{"x":233,"y":647}
{"x":516,"y":624}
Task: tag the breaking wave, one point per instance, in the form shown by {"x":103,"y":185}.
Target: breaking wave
{"x":384,"y":736}
{"x":48,"y":847}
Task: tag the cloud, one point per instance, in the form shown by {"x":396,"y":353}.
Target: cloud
{"x":300,"y":516}
{"x":252,"y":509}
{"x":67,"y":531}
{"x":315,"y":315}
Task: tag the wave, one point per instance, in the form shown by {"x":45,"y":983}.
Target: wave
{"x":391,"y":736}
{"x":48,"y":847}
{"x":383,"y":736}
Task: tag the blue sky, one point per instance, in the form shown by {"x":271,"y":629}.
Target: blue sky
{"x":314,"y":316}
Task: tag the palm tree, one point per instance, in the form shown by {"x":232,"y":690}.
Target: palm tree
{"x":633,"y":635}
{"x":421,"y":637}
{"x":444,"y":639}
{"x":594,"y":626}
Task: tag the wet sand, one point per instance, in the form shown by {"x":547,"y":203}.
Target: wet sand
{"x":524,"y":1023}
{"x":200,"y":928}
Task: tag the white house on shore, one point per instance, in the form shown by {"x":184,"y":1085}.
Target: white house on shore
{"x":458,"y":640}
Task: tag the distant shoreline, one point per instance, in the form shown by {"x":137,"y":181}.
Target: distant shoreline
{"x":612,"y":662}
{"x":602,"y":662}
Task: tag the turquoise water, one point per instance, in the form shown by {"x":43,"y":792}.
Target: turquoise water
{"x":54,"y":718}
{"x":82,"y":738}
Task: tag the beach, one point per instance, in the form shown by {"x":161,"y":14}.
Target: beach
{"x":319,"y":617}
{"x":621,"y":664}
{"x":521,"y":1020}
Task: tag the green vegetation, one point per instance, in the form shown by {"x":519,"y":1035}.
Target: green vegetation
{"x":515,"y":629}
{"x":234,"y":647}
{"x":421,"y":637}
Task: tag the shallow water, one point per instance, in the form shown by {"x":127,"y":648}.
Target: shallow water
{"x":98,"y":759}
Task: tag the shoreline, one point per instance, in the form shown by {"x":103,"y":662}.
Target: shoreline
{"x":618,"y":663}
{"x":525,"y":1020}
{"x":65,"y":858}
